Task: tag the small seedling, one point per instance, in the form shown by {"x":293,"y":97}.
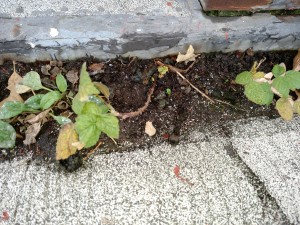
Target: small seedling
{"x":93,"y":113}
{"x":260,"y":88}
{"x":168,"y":91}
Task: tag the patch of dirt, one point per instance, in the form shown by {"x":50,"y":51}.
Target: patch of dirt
{"x":174,"y":115}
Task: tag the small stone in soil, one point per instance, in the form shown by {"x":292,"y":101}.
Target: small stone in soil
{"x":174,"y":139}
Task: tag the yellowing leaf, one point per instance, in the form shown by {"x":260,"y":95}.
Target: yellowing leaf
{"x":65,"y":142}
{"x":296,"y":106}
{"x":285,"y":108}
{"x":150,"y":129}
{"x":189,"y":56}
{"x":102,"y":88}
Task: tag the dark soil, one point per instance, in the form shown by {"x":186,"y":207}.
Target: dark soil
{"x":172,"y":115}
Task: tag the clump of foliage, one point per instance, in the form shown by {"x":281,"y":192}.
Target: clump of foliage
{"x":93,"y":112}
{"x":261,"y":88}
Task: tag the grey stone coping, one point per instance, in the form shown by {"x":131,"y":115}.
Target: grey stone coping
{"x":144,"y":34}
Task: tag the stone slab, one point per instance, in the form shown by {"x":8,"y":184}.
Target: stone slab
{"x":37,"y":34}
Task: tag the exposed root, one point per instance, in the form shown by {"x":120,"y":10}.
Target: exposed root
{"x":124,"y":116}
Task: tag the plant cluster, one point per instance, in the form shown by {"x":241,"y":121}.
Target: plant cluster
{"x":90,"y":105}
{"x":261,"y":88}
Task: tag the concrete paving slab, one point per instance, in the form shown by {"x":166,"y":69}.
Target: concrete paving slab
{"x":271,"y":148}
{"x":67,"y":30}
{"x":140,"y":187}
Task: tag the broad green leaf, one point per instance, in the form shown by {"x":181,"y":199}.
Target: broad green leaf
{"x":64,"y":145}
{"x":102,"y":88}
{"x":34,"y":102}
{"x":87,"y":129}
{"x":293,"y":79}
{"x":278,"y":70}
{"x":62,"y":120}
{"x":109,"y":124}
{"x":93,"y":108}
{"x":86,"y":86}
{"x":49,"y":99}
{"x":32,"y":79}
{"x":7,"y":135}
{"x":259,"y":93}
{"x":77,"y":105}
{"x":296,"y":106}
{"x":61,"y":83}
{"x":281,"y":84}
{"x":244,"y":78}
{"x":284,"y":108}
{"x":11,"y":109}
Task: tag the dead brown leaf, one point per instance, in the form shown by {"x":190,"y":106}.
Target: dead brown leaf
{"x":296,"y":61}
{"x":13,"y":80}
{"x":72,"y":76}
{"x":39,"y":117}
{"x":45,"y":69}
{"x":55,"y":71}
{"x":31,"y":132}
{"x":150,"y":129}
{"x":189,"y":56}
{"x":96,"y":68}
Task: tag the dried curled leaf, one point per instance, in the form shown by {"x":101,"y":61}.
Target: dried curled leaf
{"x":150,"y":129}
{"x":296,"y":61}
{"x":13,"y":80}
{"x":189,"y":56}
{"x":31,"y":132}
{"x":67,"y":140}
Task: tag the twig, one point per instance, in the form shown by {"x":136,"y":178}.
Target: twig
{"x":139,"y":111}
{"x":174,"y":69}
{"x":227,"y":103}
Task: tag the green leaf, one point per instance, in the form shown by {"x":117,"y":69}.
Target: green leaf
{"x":244,"y":78}
{"x":93,"y":108}
{"x":32,"y":80}
{"x":86,"y":86}
{"x":49,"y":99}
{"x":62,"y":120}
{"x":281,"y":84}
{"x":34,"y":102}
{"x":87,"y":129}
{"x":77,"y":105}
{"x":278,"y":70}
{"x":259,"y":93}
{"x":61,"y":83}
{"x":7,"y":135}
{"x":284,"y":108}
{"x":293,"y":79}
{"x":109,"y":124}
{"x":11,"y":109}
